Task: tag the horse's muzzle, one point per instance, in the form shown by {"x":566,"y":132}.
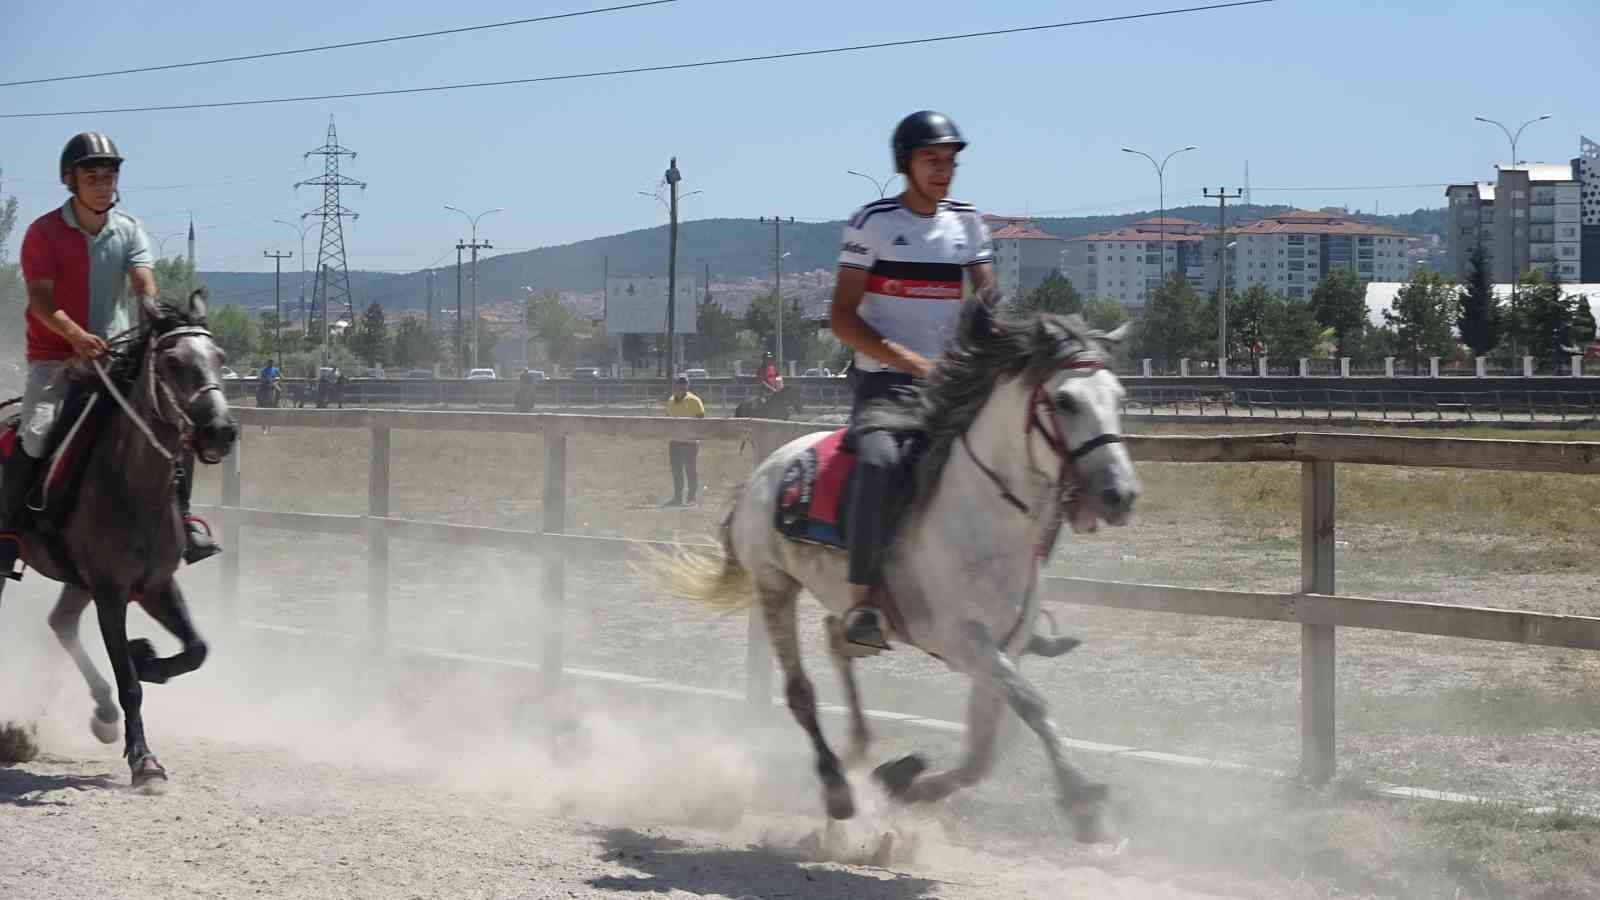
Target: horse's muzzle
{"x":214,"y":440}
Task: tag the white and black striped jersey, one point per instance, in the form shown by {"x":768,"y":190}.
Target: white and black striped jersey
{"x":915,"y":265}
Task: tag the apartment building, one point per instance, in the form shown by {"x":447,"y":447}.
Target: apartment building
{"x":1023,"y":254}
{"x":1125,"y":264}
{"x":1533,"y":216}
{"x":1291,"y":252}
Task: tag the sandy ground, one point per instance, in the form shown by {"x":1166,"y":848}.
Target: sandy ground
{"x":298,"y":772}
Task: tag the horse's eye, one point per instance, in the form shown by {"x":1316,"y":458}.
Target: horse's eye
{"x":1066,"y":404}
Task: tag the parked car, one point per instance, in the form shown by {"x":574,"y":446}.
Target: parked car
{"x":481,"y":375}
{"x":586,"y":373}
{"x":696,"y":374}
{"x":818,"y":373}
{"x":419,"y":374}
{"x":229,"y":374}
{"x":535,"y":375}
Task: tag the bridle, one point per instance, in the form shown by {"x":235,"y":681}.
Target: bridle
{"x":160,"y":390}
{"x":1053,"y":437}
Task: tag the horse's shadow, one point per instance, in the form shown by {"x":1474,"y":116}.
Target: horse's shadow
{"x":19,"y":787}
{"x":668,"y":865}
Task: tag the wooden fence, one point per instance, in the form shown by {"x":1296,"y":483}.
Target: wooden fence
{"x":1317,"y":608}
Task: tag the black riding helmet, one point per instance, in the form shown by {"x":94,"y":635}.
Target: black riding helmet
{"x":91,"y":146}
{"x":924,"y":128}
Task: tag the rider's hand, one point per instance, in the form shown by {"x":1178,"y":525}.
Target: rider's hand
{"x":86,"y":345}
{"x":915,"y":363}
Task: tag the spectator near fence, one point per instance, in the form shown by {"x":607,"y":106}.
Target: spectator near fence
{"x":684,"y":454}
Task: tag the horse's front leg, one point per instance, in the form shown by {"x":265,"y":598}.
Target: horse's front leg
{"x":111,"y":605}
{"x":903,"y":777}
{"x":64,"y":622}
{"x":168,"y":607}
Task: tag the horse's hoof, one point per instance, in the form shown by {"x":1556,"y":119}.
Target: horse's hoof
{"x":147,"y":772}
{"x":897,"y":775}
{"x":106,"y":731}
{"x":1087,"y":814}
{"x":838,"y":799}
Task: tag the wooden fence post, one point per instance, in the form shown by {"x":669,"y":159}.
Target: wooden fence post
{"x":553,"y":596}
{"x":1317,"y":522}
{"x":378,"y":539}
{"x":758,"y":651}
{"x":231,"y":492}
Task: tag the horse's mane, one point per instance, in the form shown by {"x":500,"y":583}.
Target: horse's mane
{"x":126,"y":354}
{"x":985,"y":350}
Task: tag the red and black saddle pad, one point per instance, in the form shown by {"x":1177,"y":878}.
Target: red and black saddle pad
{"x":59,"y":478}
{"x":812,"y":497}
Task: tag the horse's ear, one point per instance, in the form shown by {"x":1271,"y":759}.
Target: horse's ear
{"x":197,"y":304}
{"x":1119,"y":334}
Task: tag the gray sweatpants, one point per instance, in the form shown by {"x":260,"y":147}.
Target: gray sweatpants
{"x":41,"y":403}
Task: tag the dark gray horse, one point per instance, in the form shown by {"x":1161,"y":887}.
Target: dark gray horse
{"x":770,"y":404}
{"x":122,"y":538}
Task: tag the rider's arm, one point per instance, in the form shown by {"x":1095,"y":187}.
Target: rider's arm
{"x":42,"y":303}
{"x":980,"y":268}
{"x":983,"y":286}
{"x":144,"y":282}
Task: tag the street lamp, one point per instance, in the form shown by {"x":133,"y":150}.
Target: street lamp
{"x":163,"y":242}
{"x":662,"y":200}
{"x":1516,"y":271}
{"x":301,"y":230}
{"x":882,"y":186}
{"x":474,"y":220}
{"x":1161,"y":186}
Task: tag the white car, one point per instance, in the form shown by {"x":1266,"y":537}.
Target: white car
{"x":229,"y":374}
{"x":481,"y":375}
{"x":696,"y":374}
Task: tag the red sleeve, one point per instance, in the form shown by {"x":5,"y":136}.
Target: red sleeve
{"x":38,"y":263}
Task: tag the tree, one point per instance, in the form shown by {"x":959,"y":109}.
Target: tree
{"x":1053,"y":295}
{"x":1173,"y":324}
{"x":1546,"y":322}
{"x":1421,"y":316}
{"x":550,"y":323}
{"x":1481,"y":322}
{"x":234,"y":331}
{"x":1340,"y":302}
{"x":1583,"y":323}
{"x":1247,"y":320}
{"x":175,"y":280}
{"x":716,"y":331}
{"x":634,"y":348}
{"x":762,"y":319}
{"x":1104,"y":314}
{"x":370,"y":339}
{"x":414,"y":344}
{"x":1292,"y":331}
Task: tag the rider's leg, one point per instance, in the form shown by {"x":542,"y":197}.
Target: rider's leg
{"x":41,"y":400}
{"x":199,"y":544}
{"x":877,"y":453}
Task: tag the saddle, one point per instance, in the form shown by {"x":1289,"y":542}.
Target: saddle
{"x":814,"y":496}
{"x":71,"y":437}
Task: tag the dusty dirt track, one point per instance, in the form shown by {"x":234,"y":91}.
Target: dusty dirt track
{"x":430,"y":783}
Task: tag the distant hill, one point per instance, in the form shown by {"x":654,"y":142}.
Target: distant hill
{"x":733,"y":249}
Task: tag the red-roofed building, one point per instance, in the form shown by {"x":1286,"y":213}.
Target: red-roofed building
{"x":1124,"y":264}
{"x":1024,"y":256}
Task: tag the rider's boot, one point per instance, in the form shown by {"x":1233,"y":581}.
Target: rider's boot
{"x":20,"y":472}
{"x":863,"y":624}
{"x":876,"y":456}
{"x":198,"y":542}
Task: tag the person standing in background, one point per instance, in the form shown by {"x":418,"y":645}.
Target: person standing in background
{"x":684,"y":454}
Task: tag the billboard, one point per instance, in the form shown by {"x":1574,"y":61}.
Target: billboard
{"x":639,"y":305}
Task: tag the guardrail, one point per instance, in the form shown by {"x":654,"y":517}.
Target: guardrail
{"x":1317,"y":608}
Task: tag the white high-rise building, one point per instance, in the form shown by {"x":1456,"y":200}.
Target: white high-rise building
{"x":1125,"y":264}
{"x":1024,"y":256}
{"x":1291,"y":252}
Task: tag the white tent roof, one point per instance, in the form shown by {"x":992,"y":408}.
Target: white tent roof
{"x":1380,"y":296}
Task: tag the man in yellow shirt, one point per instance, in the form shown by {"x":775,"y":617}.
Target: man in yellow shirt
{"x":683,"y":454}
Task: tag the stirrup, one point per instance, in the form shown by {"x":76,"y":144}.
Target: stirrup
{"x":198,"y":543}
{"x":863,"y":627}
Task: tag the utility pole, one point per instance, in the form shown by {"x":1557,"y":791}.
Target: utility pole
{"x":473,"y":245}
{"x":777,"y":279}
{"x":460,"y":351}
{"x":672,"y":177}
{"x":277,"y":296}
{"x":1222,"y":197}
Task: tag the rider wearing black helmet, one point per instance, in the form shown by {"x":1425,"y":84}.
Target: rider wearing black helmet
{"x":77,"y":262}
{"x":899,"y":294}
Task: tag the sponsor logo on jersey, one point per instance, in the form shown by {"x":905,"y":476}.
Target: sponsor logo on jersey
{"x":900,"y":241}
{"x":914,"y":289}
{"x":853,"y":247}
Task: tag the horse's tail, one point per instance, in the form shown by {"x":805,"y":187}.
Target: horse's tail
{"x":717,"y":581}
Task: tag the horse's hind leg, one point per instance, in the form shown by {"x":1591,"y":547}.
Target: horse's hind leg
{"x":903,"y":777}
{"x":843,"y":664}
{"x":64,"y":622}
{"x":167,"y":606}
{"x":778,"y":608}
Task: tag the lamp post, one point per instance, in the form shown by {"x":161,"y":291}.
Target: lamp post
{"x":671,"y":179}
{"x":1161,"y":187}
{"x":1516,"y":271}
{"x":474,"y":247}
{"x":882,"y":186}
{"x":163,"y":242}
{"x":301,"y":229}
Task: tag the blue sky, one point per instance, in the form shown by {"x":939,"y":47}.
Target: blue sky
{"x":1312,"y":94}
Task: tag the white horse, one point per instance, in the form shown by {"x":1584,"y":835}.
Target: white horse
{"x":1019,"y":419}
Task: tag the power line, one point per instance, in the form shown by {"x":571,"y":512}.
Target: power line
{"x":1360,"y":187}
{"x":792,"y":54}
{"x":367,"y":43}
